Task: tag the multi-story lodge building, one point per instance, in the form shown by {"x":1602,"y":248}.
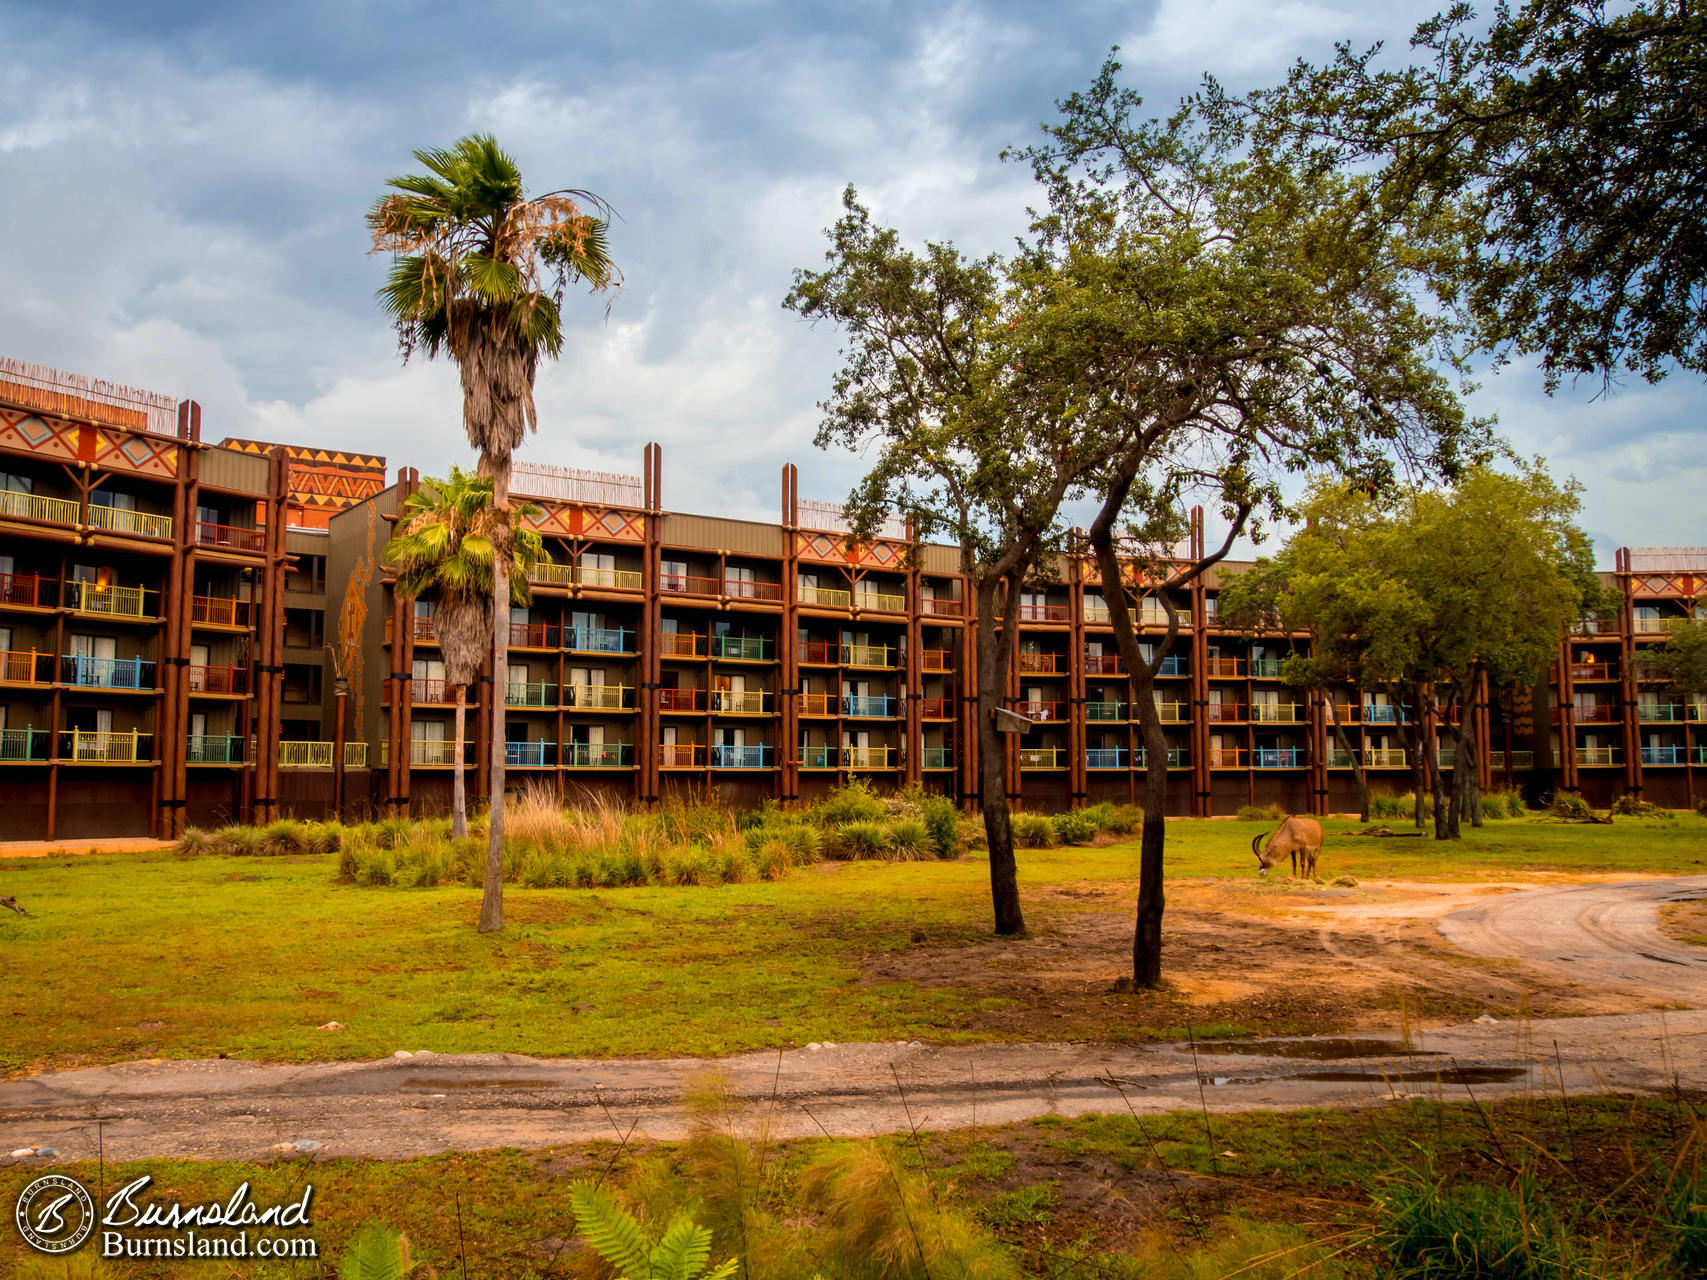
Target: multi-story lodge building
{"x":192,"y":632}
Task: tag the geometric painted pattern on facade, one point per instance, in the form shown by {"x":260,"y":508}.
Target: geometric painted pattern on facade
{"x":50,"y":437}
{"x":592,"y":522}
{"x":140,"y":454}
{"x":835,"y":548}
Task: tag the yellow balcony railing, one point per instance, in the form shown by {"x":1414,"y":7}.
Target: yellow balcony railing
{"x":598,"y":697}
{"x":431,"y":751}
{"x":880,"y":600}
{"x":742,"y":702}
{"x":1277,"y":712}
{"x":868,"y":757}
{"x":828,"y":597}
{"x":868,"y":655}
{"x":355,"y":755}
{"x":1593,"y":756}
{"x":1172,"y":712}
{"x":1385,"y":757}
{"x":124,"y":520}
{"x":306,"y":755}
{"x":15,"y":502}
{"x":1041,"y":758}
{"x":561,"y":575}
{"x":116,"y":602}
{"x":625,"y":579}
{"x":91,"y":747}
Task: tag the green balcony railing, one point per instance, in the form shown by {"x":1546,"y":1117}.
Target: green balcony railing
{"x":741,"y":648}
{"x":937,"y":758}
{"x":597,"y":755}
{"x":23,"y":744}
{"x":1265,"y":668}
{"x":818,"y":757}
{"x":1105,"y":711}
{"x":213,"y":748}
{"x":540,"y":694}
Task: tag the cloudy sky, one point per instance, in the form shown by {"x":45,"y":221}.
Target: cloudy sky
{"x":182,"y":187}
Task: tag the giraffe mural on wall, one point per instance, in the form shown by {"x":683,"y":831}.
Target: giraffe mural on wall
{"x":352,"y":617}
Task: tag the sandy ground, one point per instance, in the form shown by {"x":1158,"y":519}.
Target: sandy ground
{"x":48,"y":848}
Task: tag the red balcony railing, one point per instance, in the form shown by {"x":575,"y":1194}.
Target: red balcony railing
{"x":28,"y":590}
{"x":937,"y":708}
{"x":1225,"y":712}
{"x":209,"y":534}
{"x":687,"y":584}
{"x":940,"y":605}
{"x":218,"y":679}
{"x":681,"y":699}
{"x":1105,"y":664}
{"x":433,"y":690}
{"x":1043,"y":613}
{"x":533,"y":635}
{"x":823,"y":652}
{"x":1603,"y":713}
{"x":217,"y":611}
{"x":1039,"y":710}
{"x":741,"y":590}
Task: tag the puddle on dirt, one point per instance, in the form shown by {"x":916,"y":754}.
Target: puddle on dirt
{"x":420,"y":1083}
{"x":1444,"y":1075}
{"x":1315,"y":1050}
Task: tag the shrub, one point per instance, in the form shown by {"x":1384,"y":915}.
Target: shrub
{"x":1033,"y":831}
{"x":862,"y":839}
{"x":1075,"y":828}
{"x":194,"y":843}
{"x":805,"y":844}
{"x":1427,"y":1229}
{"x":284,"y":838}
{"x":774,"y":860}
{"x":1566,"y":805}
{"x":1124,"y":819}
{"x":910,"y":840}
{"x":855,"y":802}
{"x":1631,"y":807}
{"x":1384,"y":804}
{"x":1261,"y":813}
{"x":238,"y":841}
{"x":943,"y":821}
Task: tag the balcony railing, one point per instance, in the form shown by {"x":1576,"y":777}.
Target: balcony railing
{"x":213,"y":748}
{"x":743,"y":589}
{"x":741,"y":648}
{"x":1225,"y":713}
{"x":555,"y":575}
{"x":1595,"y":627}
{"x":1277,"y":713}
{"x":1519,"y":760}
{"x":940,"y":605}
{"x":1044,"y":613}
{"x":1173,"y":712}
{"x":606,"y":579}
{"x":873,"y":707}
{"x":1224,"y":668}
{"x":85,"y":746}
{"x":1649,"y":672}
{"x":726,"y":757}
{"x":123,"y":520}
{"x":1226,"y":758}
{"x":426,"y":691}
{"x":435,"y":752}
{"x":1599,"y":756}
{"x":539,"y":693}
{"x":1042,"y":758}
{"x":868,"y":757}
{"x":1265,"y":668}
{"x":597,"y":755}
{"x":18,"y":666}
{"x":26,"y":591}
{"x":1105,"y":758}
{"x":230,"y":537}
{"x":598,"y":697}
{"x":682,"y":644}
{"x":818,"y":757}
{"x":1106,"y":664}
{"x":687,"y":584}
{"x":681,"y":699}
{"x":1647,"y":626}
{"x":1665,"y":755}
{"x":825,"y":597}
{"x":740,"y":702}
{"x":1658,"y":712}
{"x":936,"y":659}
{"x":820,"y":653}
{"x":219,"y":611}
{"x":109,"y":601}
{"x":533,"y":635}
{"x":107,"y":673}
{"x":820,"y":704}
{"x":1035,"y":663}
{"x":1700,"y":756}
{"x":1039,"y":711}
{"x":29,"y":506}
{"x":301,"y":754}
{"x":868,"y":655}
{"x":1178,"y":758}
{"x":886,"y":601}
{"x":1096,"y":612}
{"x":936,"y":758}
{"x":355,"y":755}
{"x":1278,"y":758}
{"x":23,"y":744}
{"x":1596,"y":713}
{"x":936,"y":708}
{"x":1382,"y":713}
{"x":217,"y":679}
{"x":681,"y":755}
{"x":1105,"y":711}
{"x":1594,"y":671}
{"x":598,"y":639}
{"x":530,"y":755}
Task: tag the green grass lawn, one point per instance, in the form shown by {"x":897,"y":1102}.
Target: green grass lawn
{"x":155,"y":955}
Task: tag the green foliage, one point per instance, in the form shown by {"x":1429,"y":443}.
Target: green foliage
{"x":376,"y":1253}
{"x":856,"y":802}
{"x":681,"y":1252}
{"x":1249,"y":1250}
{"x":1075,"y":827}
{"x":1682,"y":659}
{"x":942,"y":819}
{"x":1631,"y":807}
{"x":1428,"y":1229}
{"x":1034,"y":831}
{"x":862,"y":839}
{"x":1386,"y":804}
{"x":910,"y":839}
{"x":1123,"y":819}
{"x":1261,"y":813}
{"x":1503,"y":804}
{"x":1571,"y":807}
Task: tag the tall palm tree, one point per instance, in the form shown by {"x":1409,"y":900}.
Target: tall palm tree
{"x":442,"y":550}
{"x":478,"y":273}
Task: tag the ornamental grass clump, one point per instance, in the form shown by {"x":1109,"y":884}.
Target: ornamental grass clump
{"x":1034,"y":831}
{"x":868,"y":839}
{"x":910,"y":841}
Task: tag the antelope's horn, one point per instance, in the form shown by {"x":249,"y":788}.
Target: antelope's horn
{"x":1257,"y":843}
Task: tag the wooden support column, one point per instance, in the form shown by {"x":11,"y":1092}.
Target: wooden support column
{"x":1567,"y":718}
{"x":1633,"y":772}
{"x":1197,"y":702}
{"x":789,"y":698}
{"x":1078,"y":736}
{"x":966,"y":712}
{"x":913,"y":692}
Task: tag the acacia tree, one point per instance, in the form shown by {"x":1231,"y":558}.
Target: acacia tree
{"x":972,"y":439}
{"x":1682,"y":659}
{"x":442,"y":549}
{"x":1563,"y":141}
{"x":478,"y":273}
{"x":1220,"y":316}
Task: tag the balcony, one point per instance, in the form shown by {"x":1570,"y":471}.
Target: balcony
{"x":820,"y":653}
{"x":936,"y":708}
{"x":1382,"y":713}
{"x":682,"y":644}
{"x":1105,"y":711}
{"x":1665,"y":755}
{"x":936,"y":659}
{"x":530,"y":755}
{"x":1265,"y":668}
{"x":741,"y":648}
{"x":1599,"y":757}
{"x":533,"y":635}
{"x":1039,"y":711}
{"x":727,"y":757}
{"x":598,"y":697}
{"x":1595,"y":627}
{"x":883,"y":601}
{"x":217,"y":680}
{"x":825,"y":597}
{"x":1173,"y":712}
{"x":305,"y":755}
{"x":25,"y":667}
{"x":432,"y":692}
{"x":1095,"y":613}
{"x":1109,"y":664}
{"x":1373,"y":758}
{"x":820,"y":704}
{"x":1044,"y":613}
{"x":1105,"y":758}
{"x":597,"y":755}
{"x":1224,"y":668}
{"x":1661,"y":712}
{"x":26,"y":591}
{"x":869,"y":758}
{"x":18,"y":745}
{"x":1519,"y":760}
{"x":1650,"y":672}
{"x":1226,"y":758}
{"x":605,"y":579}
{"x":1648,"y":626}
{"x":109,"y":601}
{"x":1178,"y":758}
{"x":818,"y":758}
{"x":539,"y":693}
{"x":1278,"y":758}
{"x":879,"y":707}
{"x":681,"y":699}
{"x":687,"y":584}
{"x":936,"y":758}
{"x":875,"y":656}
{"x":1225,"y":713}
{"x":1034,"y":758}
{"x":123,"y":520}
{"x":28,"y":506}
{"x":942,"y":606}
{"x":1596,"y":713}
{"x":219,"y":611}
{"x":217,"y":748}
{"x":433,"y":753}
{"x":107,"y":673}
{"x":740,"y":702}
{"x":745,"y":589}
{"x":681,"y":755}
{"x":355,"y":755}
{"x":1277,"y":713}
{"x":230,"y":537}
{"x":82,"y":746}
{"x":1594,"y":671}
{"x":598,"y":640}
{"x":1038,"y":663}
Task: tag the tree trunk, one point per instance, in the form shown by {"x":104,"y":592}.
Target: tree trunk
{"x":1357,"y":770}
{"x":1147,"y":924}
{"x":1469,"y":760}
{"x":459,"y":780}
{"x":992,"y":751}
{"x":1437,"y":784}
{"x":492,"y":902}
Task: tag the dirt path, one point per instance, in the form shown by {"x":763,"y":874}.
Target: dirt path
{"x":1607,"y":935}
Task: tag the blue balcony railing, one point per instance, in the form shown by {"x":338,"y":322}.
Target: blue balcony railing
{"x":1278,"y":757}
{"x":1105,"y":758}
{"x":530,"y":755}
{"x":598,"y":639}
{"x":740,"y":757}
{"x":1383,"y":714}
{"x":881,"y":706}
{"x":109,"y":673}
{"x":1665,"y":755}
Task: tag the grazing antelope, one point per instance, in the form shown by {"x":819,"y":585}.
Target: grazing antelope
{"x":1299,"y":837}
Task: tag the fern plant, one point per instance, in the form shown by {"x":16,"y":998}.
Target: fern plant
{"x":376,"y":1253}
{"x":683,"y":1252}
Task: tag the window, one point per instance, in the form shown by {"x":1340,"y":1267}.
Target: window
{"x":17,"y":483}
{"x":598,"y":569}
{"x":673,"y":575}
{"x":117,"y":501}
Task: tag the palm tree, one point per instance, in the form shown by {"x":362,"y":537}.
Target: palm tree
{"x":478,"y":273}
{"x":442,"y":550}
